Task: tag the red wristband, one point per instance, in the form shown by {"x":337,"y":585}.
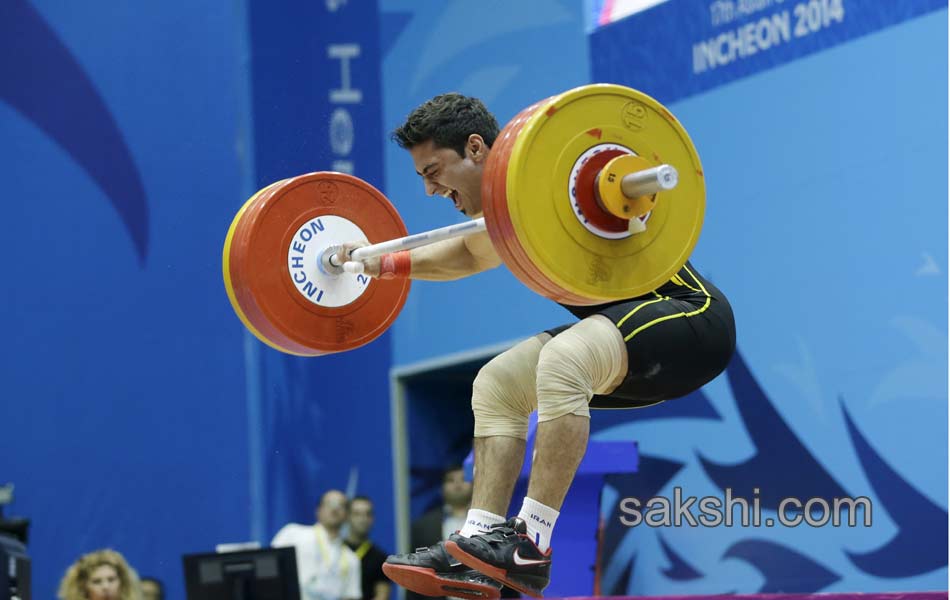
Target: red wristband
{"x":395,"y":264}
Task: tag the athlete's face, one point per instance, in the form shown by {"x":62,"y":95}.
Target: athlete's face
{"x":458,"y":178}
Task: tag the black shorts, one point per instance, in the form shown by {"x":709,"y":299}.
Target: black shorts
{"x":678,"y":339}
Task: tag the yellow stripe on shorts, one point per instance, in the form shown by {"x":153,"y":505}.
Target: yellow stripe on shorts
{"x":668,"y":317}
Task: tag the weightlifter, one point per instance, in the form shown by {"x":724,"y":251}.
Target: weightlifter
{"x":626,"y":354}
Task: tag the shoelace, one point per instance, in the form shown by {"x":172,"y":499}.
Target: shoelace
{"x":498,"y":533}
{"x":436,"y":549}
{"x":430,"y":549}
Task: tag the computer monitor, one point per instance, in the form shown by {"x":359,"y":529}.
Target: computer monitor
{"x":267,"y":574}
{"x":15,"y":571}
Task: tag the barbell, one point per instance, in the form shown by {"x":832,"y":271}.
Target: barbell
{"x":593,"y":195}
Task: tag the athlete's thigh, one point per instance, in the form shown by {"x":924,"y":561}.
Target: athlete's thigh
{"x":674,"y":346}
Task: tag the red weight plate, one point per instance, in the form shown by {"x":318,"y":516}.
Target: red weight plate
{"x":515,"y":255}
{"x":241,"y":278}
{"x":277,"y":221}
{"x":494,"y":203}
{"x":228,"y":274}
{"x":498,"y":220}
{"x":586,"y":197}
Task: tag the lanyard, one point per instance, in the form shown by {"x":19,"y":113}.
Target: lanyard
{"x":363,"y":549}
{"x":324,"y":545}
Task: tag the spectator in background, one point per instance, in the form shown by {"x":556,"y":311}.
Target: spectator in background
{"x":100,"y":575}
{"x":152,"y":589}
{"x":447,"y":518}
{"x":375,"y":584}
{"x":327,"y":569}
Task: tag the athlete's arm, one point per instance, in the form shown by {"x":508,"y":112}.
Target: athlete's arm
{"x":446,"y":260}
{"x":455,"y":258}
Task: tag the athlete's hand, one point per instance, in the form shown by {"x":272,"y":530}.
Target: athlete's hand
{"x":369,"y":266}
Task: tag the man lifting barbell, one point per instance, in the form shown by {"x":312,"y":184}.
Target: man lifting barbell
{"x":628,"y":353}
{"x":593,"y":198}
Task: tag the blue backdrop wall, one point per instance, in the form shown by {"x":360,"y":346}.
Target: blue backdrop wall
{"x":537,"y":49}
{"x":838,"y":279}
{"x":136,"y":413}
{"x":315,"y":85}
{"x":839,"y":385}
{"x":122,"y":409}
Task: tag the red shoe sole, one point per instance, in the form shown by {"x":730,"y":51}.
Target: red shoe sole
{"x":496,"y":573}
{"x":425,"y":581}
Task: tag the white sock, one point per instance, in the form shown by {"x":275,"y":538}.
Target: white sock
{"x":540,"y":520}
{"x":478,"y":522}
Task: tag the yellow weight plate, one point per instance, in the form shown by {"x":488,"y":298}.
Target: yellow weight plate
{"x":550,"y":150}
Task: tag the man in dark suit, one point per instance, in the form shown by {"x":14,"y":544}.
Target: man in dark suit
{"x":448,"y":517}
{"x":374,"y":584}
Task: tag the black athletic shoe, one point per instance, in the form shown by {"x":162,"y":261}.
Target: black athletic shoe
{"x":506,"y":554}
{"x":432,"y":572}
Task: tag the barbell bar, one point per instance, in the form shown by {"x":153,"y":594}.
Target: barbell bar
{"x":646,"y":182}
{"x":590,"y":196}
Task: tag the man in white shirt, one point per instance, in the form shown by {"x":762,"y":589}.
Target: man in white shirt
{"x":327,"y":569}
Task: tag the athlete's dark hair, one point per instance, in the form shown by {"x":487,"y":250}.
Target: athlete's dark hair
{"x":447,"y":120}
